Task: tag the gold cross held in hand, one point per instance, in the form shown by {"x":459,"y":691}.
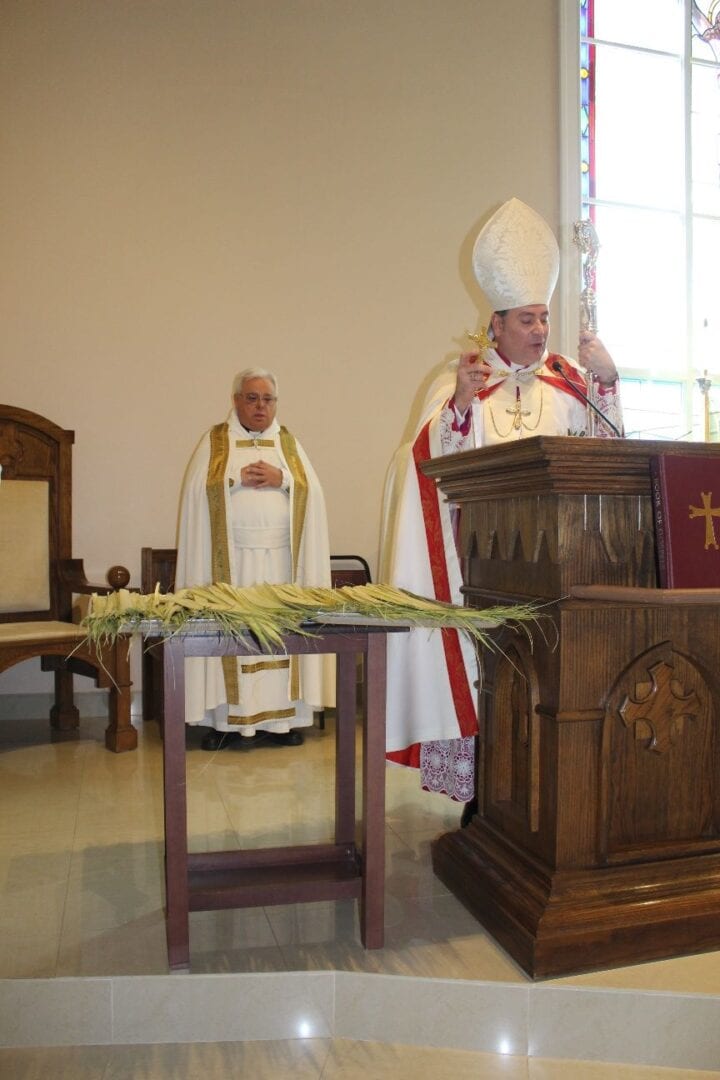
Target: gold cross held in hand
{"x":482,"y":340}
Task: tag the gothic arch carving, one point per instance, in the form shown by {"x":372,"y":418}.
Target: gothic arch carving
{"x":659,"y":730}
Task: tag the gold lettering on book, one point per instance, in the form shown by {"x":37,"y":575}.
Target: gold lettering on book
{"x":708,"y":512}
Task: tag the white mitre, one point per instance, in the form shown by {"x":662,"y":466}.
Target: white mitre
{"x":516,"y":258}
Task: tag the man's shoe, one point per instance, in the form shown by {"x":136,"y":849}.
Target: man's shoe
{"x":284,"y":738}
{"x":217,"y":740}
{"x":244,"y":742}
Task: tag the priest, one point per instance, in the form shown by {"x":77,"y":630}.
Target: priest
{"x":252,"y":511}
{"x":510,"y":388}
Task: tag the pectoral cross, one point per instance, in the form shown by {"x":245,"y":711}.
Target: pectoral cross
{"x":518,"y":412}
{"x":708,"y":512}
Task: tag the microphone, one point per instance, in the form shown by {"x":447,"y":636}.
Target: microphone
{"x":557,"y":366}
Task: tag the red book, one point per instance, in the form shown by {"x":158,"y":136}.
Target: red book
{"x":686,"y":507}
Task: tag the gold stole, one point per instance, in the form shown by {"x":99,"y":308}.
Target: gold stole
{"x":217,"y":504}
{"x":299,"y":508}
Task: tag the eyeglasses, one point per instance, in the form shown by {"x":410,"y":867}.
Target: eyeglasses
{"x":266,"y":399}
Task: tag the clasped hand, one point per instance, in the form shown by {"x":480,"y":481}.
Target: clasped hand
{"x":594,"y":357}
{"x":260,"y":474}
{"x":472,"y":374}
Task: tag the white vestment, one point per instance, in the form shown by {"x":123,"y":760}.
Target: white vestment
{"x":247,"y":536}
{"x":431,"y":695}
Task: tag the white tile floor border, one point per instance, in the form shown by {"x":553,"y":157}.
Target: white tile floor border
{"x":632,"y":1027}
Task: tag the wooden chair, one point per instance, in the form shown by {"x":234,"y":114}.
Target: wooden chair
{"x":38,"y":577}
{"x":349,"y":570}
{"x":157,"y":567}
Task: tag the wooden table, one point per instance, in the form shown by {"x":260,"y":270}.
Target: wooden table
{"x":291,"y":874}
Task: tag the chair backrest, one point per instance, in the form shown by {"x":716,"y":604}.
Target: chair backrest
{"x":35,"y":516}
{"x":157,"y":567}
{"x":349,"y":570}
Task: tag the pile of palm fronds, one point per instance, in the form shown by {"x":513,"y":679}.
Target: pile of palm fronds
{"x":269,"y":611}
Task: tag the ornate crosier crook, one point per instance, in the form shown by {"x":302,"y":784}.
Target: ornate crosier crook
{"x":586,"y":239}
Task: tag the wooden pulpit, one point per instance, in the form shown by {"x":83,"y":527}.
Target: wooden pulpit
{"x":596,"y":840}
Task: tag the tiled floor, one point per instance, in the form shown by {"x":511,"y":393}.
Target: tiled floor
{"x":81,"y":895}
{"x":309,"y":1059}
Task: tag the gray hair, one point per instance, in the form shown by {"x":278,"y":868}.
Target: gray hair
{"x":253,"y":373}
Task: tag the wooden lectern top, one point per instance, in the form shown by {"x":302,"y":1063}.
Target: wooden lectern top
{"x":541,"y":515}
{"x":555,"y":464}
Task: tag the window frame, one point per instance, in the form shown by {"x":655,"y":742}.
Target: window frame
{"x":570,"y":208}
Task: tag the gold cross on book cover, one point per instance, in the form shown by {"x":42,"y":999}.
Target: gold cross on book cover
{"x":684,"y":511}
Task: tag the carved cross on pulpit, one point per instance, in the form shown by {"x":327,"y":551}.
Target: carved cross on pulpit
{"x":708,"y":512}
{"x":661,"y":708}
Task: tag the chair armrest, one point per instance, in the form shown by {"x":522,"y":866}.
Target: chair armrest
{"x":72,"y":574}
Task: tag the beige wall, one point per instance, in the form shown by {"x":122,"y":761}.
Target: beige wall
{"x":190,"y":186}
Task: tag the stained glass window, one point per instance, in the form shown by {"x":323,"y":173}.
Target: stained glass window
{"x":705,"y":30}
{"x":650,"y":182}
{"x":587,"y":104}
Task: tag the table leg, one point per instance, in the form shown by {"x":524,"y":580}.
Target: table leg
{"x":120,"y":734}
{"x":176,"y":854}
{"x":345,"y":748}
{"x":372,"y":901}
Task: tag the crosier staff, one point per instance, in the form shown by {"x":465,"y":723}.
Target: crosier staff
{"x":586,"y":238}
{"x":705,"y":385}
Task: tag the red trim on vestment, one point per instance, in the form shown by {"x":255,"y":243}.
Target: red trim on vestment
{"x":431,"y":518}
{"x":552,"y":379}
{"x":410,"y":756}
{"x":610,"y":389}
{"x":462,"y":698}
{"x":486,"y":391}
{"x":464,"y":426}
{"x":579,"y":388}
